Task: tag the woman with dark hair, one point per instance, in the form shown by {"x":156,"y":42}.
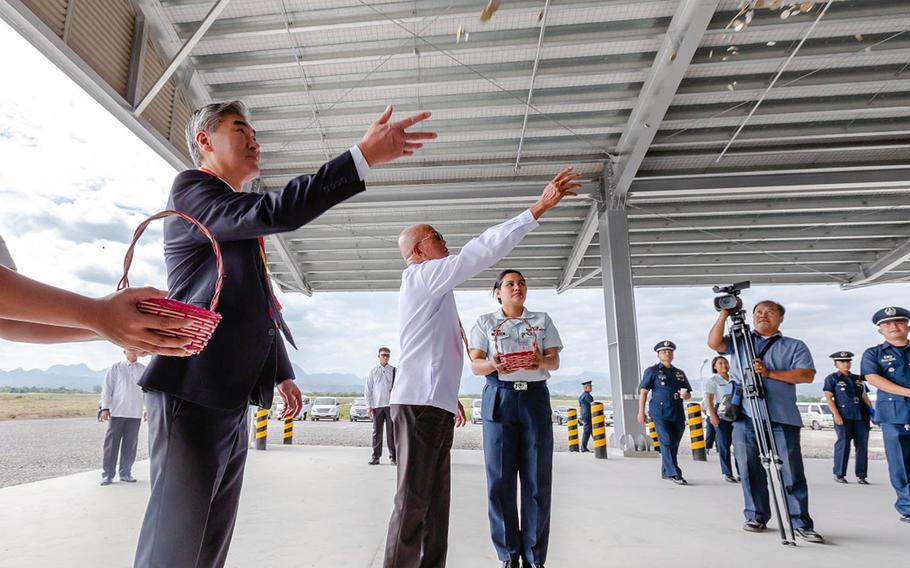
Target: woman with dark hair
{"x":714,"y":393}
{"x":517,"y":420}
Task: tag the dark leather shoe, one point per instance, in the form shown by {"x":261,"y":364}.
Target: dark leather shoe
{"x":838,"y":479}
{"x":679,"y":480}
{"x":730,"y":479}
{"x":374,"y":461}
{"x":128,"y":478}
{"x":862,"y":481}
{"x":529,"y":565}
{"x":106,"y":481}
{"x":510,"y":564}
{"x":809,"y":535}
{"x":754,"y":526}
{"x":905,"y":518}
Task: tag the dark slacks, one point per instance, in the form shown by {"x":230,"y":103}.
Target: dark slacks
{"x":419,"y":528}
{"x":857,"y":432}
{"x":586,"y":429}
{"x":897,"y":450}
{"x":755,"y":480}
{"x":723,"y":441}
{"x":382,"y":418}
{"x":197,"y":460}
{"x":518,"y":445}
{"x":710,"y":432}
{"x":669,"y":434}
{"x":122,"y":437}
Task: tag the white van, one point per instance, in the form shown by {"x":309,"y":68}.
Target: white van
{"x":816,"y":415}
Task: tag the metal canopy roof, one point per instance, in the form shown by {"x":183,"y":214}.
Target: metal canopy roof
{"x":812,"y":189}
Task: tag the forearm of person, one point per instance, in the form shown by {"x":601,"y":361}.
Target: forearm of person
{"x":794,"y":376}
{"x":480,"y":365}
{"x":550,"y":359}
{"x":886,"y":385}
{"x":24,"y":299}
{"x":829,"y":398}
{"x":709,"y":398}
{"x":28,"y":332}
{"x":716,"y":335}
{"x":642,"y":399}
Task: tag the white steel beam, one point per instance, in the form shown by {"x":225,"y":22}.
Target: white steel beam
{"x":871,"y":273}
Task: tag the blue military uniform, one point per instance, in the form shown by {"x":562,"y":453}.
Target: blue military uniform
{"x":848,"y":391}
{"x":786,"y":353}
{"x":518,"y":440}
{"x":584,"y":404}
{"x":666,"y":409}
{"x":892,"y":412}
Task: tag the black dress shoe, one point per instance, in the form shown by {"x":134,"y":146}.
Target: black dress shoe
{"x":809,"y":535}
{"x":679,"y":480}
{"x":862,"y":481}
{"x":510,"y":564}
{"x":839,"y":479}
{"x":754,"y":526}
{"x":374,"y":461}
{"x":905,"y":518}
{"x":529,"y":565}
{"x":730,"y":479}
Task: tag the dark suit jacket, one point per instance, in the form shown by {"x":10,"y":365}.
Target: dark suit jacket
{"x":245,"y":357}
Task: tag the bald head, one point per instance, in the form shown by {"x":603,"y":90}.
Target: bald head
{"x":421,"y":242}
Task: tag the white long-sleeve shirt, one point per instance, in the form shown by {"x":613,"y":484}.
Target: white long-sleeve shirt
{"x":378,"y":388}
{"x":432,"y":348}
{"x":121,"y":393}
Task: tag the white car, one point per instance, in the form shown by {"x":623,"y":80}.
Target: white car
{"x":475,"y":411}
{"x":278,"y":408}
{"x":325,"y":408}
{"x":816,"y":415}
{"x":359,"y":410}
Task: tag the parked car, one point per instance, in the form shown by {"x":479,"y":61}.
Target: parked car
{"x":475,"y":411}
{"x":278,"y":408}
{"x":816,"y":415}
{"x":561,"y":414}
{"x":325,"y":408}
{"x":359,"y":410}
{"x":608,"y":414}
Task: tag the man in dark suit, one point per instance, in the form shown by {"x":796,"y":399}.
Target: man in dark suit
{"x":197,"y":406}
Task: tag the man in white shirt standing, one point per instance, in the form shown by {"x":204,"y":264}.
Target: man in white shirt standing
{"x":424,"y":402}
{"x":121,"y":406}
{"x":377,"y":392}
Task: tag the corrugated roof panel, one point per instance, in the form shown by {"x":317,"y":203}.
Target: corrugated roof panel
{"x":102,"y":34}
{"x":51,"y":12}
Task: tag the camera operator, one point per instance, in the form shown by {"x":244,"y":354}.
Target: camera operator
{"x":783,"y":362}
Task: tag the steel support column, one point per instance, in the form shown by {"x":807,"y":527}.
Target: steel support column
{"x":622,"y":330}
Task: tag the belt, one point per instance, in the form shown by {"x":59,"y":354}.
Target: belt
{"x":516,"y":385}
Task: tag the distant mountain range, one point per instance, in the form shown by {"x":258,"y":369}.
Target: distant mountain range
{"x":80,"y":377}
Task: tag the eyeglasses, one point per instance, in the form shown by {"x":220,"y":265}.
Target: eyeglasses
{"x":384,"y":355}
{"x":435,"y":235}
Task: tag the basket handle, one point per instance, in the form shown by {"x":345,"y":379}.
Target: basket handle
{"x":496,"y":333}
{"x":216,"y":248}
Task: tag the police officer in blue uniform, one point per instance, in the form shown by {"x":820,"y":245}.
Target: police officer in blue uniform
{"x":887,"y":367}
{"x":517,"y":423}
{"x":848,"y":400}
{"x":669,"y":387}
{"x":584,"y":404}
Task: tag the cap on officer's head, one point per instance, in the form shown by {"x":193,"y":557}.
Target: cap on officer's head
{"x":842,"y":356}
{"x":890,"y":313}
{"x":586,"y":384}
{"x":667,"y":344}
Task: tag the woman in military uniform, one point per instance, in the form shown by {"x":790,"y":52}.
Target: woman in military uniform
{"x":669,"y":387}
{"x":517,"y":423}
{"x":848,"y":400}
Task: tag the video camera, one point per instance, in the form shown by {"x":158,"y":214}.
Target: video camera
{"x":730,"y":300}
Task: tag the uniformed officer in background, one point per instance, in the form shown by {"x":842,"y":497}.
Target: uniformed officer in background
{"x":669,"y":387}
{"x":887,"y":367}
{"x":848,"y":400}
{"x":517,"y":422}
{"x":584,"y":414}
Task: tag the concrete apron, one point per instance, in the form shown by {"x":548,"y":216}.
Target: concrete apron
{"x":323,"y":506}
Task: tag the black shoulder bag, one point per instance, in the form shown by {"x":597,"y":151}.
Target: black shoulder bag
{"x":730,"y":407}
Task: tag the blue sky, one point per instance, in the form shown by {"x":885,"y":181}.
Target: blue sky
{"x":74,"y":182}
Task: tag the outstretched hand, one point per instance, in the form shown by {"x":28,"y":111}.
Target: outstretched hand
{"x":387,"y":141}
{"x":117,"y":319}
{"x":559,"y":187}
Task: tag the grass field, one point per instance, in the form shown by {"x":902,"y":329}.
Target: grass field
{"x":45,"y":405}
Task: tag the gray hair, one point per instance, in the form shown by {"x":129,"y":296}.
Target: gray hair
{"x":207,"y":119}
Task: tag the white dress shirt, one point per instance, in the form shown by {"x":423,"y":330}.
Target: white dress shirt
{"x":121,"y":393}
{"x":363,"y":168}
{"x":432,"y":348}
{"x":6,"y":259}
{"x":378,"y":389}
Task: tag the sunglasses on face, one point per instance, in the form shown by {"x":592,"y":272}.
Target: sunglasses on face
{"x":434,"y":235}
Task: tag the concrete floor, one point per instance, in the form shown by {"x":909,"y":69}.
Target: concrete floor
{"x":323,"y":506}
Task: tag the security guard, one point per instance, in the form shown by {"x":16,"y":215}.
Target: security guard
{"x":669,"y":387}
{"x":887,"y":367}
{"x":848,"y":400}
{"x":517,"y":423}
{"x":584,"y":404}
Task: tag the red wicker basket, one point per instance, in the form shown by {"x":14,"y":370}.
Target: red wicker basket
{"x":204,"y":321}
{"x":518,"y":359}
